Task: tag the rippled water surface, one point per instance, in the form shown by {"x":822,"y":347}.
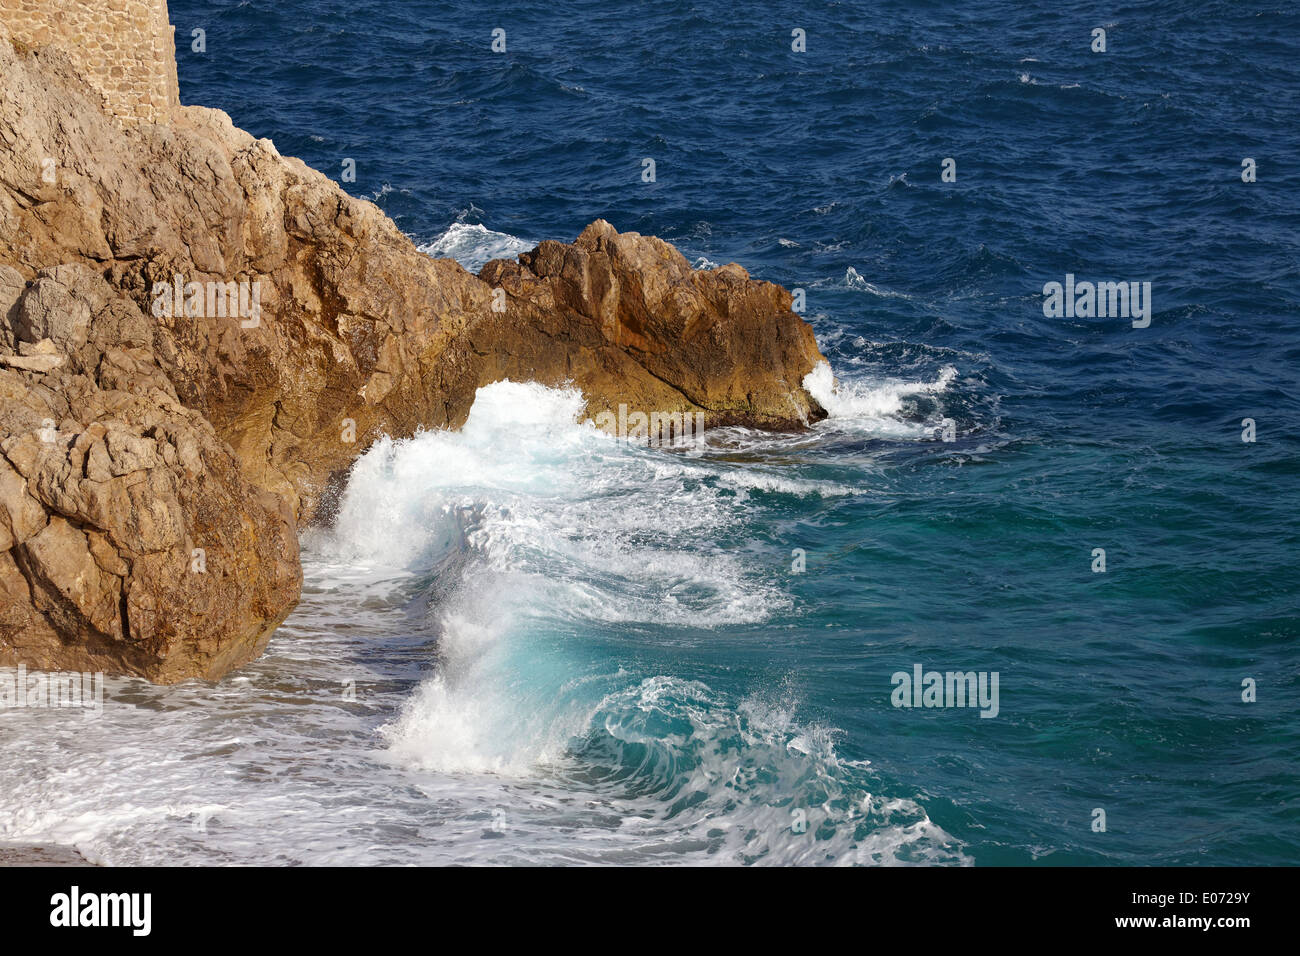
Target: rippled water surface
{"x":528,"y":642}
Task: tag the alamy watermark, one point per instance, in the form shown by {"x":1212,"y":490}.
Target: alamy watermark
{"x":1102,"y":300}
{"x":209,"y":300}
{"x":651,"y":428}
{"x":73,"y":909}
{"x":52,"y":689}
{"x":923,"y":688}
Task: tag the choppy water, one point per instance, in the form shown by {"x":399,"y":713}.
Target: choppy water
{"x":565,"y":648}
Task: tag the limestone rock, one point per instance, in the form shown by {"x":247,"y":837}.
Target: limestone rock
{"x":198,"y":336}
{"x":129,"y":540}
{"x":627,"y":319}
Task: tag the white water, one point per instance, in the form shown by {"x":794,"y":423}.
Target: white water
{"x":484,"y":669}
{"x":484,"y":592}
{"x":473,"y":245}
{"x":876,"y":406}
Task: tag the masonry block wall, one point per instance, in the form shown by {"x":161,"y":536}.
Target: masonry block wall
{"x":124,"y":48}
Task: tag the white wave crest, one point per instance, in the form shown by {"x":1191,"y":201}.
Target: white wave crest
{"x":473,"y":245}
{"x":854,"y":280}
{"x":875,"y":406}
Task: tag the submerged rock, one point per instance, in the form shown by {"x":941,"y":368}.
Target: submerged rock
{"x":25,"y":855}
{"x":198,"y":336}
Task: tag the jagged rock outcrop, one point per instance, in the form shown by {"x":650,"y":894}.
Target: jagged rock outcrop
{"x":626,"y":319}
{"x":217,"y":331}
{"x":130,"y":542}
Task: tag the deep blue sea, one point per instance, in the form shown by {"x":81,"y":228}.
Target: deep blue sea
{"x":529,"y":643}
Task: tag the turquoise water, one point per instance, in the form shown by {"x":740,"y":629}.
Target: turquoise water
{"x":530,"y":643}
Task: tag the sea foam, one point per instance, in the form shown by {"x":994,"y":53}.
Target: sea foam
{"x":877,"y":406}
{"x":473,"y":245}
{"x":562,"y":542}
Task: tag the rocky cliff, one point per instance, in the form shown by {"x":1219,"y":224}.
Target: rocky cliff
{"x":198,"y":336}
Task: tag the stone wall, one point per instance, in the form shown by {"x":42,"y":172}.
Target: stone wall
{"x":124,"y":48}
